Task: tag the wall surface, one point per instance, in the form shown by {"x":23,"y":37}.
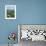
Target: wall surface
{"x":31,"y":11}
{"x":6,"y":26}
{"x":27,"y":12}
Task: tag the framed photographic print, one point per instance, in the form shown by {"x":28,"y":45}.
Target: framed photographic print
{"x":33,"y":32}
{"x":10,"y":11}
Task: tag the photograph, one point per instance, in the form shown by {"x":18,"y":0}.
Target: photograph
{"x":10,"y":11}
{"x":29,"y":33}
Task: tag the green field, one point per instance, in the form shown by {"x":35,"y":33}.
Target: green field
{"x":10,"y":13}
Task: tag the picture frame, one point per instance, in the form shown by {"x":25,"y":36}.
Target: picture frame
{"x":36,"y":32}
{"x":10,"y":11}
